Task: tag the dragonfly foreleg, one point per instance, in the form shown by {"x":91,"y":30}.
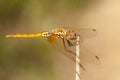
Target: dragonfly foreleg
{"x":72,"y":53}
{"x":71,"y":44}
{"x":68,"y":49}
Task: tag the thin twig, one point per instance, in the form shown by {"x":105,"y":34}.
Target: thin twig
{"x":77,"y":70}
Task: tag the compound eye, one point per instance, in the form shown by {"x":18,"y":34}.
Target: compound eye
{"x":71,"y":33}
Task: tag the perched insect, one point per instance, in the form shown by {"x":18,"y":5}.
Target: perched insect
{"x":67,"y":36}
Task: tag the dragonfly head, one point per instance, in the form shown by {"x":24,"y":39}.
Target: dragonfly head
{"x":72,"y":35}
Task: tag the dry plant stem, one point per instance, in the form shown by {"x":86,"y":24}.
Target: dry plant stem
{"x":77,"y":70}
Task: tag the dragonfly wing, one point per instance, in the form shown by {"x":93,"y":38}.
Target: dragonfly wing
{"x":67,"y":53}
{"x":88,"y":56}
{"x":83,"y":32}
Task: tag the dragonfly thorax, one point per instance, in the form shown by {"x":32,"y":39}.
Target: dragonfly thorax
{"x":59,"y":32}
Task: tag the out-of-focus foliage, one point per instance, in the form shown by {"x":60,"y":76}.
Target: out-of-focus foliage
{"x":75,"y":4}
{"x":13,"y":8}
{"x":29,"y":55}
{"x":10,"y":8}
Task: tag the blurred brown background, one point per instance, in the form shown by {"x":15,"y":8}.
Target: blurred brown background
{"x":36,"y":59}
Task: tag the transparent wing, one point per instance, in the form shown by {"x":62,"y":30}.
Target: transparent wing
{"x":86,"y":55}
{"x":59,"y":46}
{"x":84,"y":33}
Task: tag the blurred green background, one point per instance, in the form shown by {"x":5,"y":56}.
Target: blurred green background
{"x":32,"y":58}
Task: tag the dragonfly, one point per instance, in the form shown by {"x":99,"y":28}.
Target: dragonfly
{"x":66,"y":35}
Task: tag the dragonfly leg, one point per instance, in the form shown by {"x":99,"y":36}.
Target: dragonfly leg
{"x":67,"y":49}
{"x":70,"y":43}
{"x":72,"y":53}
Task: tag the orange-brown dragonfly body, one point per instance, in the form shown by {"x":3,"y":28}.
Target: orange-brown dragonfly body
{"x":62,"y":33}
